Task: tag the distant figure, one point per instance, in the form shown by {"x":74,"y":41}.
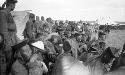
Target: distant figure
{"x":50,"y":22}
{"x":37,"y":18}
{"x":29,"y":31}
{"x":42,"y":18}
{"x":38,"y":25}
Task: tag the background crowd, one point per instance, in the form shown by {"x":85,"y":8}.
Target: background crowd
{"x":70,"y":40}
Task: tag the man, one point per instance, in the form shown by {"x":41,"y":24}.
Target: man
{"x":66,"y":64}
{"x":50,"y":23}
{"x":37,"y":18}
{"x":36,"y":65}
{"x":42,"y":18}
{"x":74,"y":46}
{"x":58,"y":64}
{"x":30,"y":29}
{"x":39,"y":27}
{"x":8,"y":30}
{"x":57,"y":42}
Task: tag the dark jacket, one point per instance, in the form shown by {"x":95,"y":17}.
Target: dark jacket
{"x":8,"y":28}
{"x":29,"y":31}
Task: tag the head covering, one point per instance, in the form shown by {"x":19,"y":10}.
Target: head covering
{"x":11,"y":1}
{"x":31,"y":15}
{"x":37,"y":18}
{"x":102,"y":33}
{"x":66,"y":46}
{"x":49,"y":20}
{"x":76,"y":34}
{"x":7,"y":2}
{"x":61,"y":22}
{"x":42,"y":18}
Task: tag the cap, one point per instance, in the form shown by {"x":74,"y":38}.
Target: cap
{"x":66,"y":46}
{"x":102,"y":33}
{"x":11,"y":1}
{"x":31,"y":15}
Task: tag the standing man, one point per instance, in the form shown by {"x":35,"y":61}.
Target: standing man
{"x":50,"y":24}
{"x":30,"y":29}
{"x":8,"y":30}
{"x":42,"y":18}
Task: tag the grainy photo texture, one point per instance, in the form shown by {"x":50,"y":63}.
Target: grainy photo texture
{"x":62,"y":37}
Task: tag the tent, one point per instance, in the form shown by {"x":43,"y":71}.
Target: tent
{"x":106,"y":21}
{"x":20,"y":18}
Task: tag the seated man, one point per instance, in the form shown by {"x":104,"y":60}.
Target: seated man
{"x":36,"y":65}
{"x":66,"y":64}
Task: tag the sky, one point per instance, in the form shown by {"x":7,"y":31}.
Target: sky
{"x":74,"y":9}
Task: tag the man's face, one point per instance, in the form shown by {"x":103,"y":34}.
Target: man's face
{"x":12,"y":6}
{"x":33,"y":19}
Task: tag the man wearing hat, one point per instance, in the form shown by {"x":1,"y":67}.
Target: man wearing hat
{"x":8,"y":30}
{"x":30,"y":29}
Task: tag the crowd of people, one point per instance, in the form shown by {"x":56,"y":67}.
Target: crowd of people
{"x":59,"y":38}
{"x":78,"y":39}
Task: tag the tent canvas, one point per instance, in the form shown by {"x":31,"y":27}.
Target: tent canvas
{"x":20,"y":18}
{"x":105,"y":21}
